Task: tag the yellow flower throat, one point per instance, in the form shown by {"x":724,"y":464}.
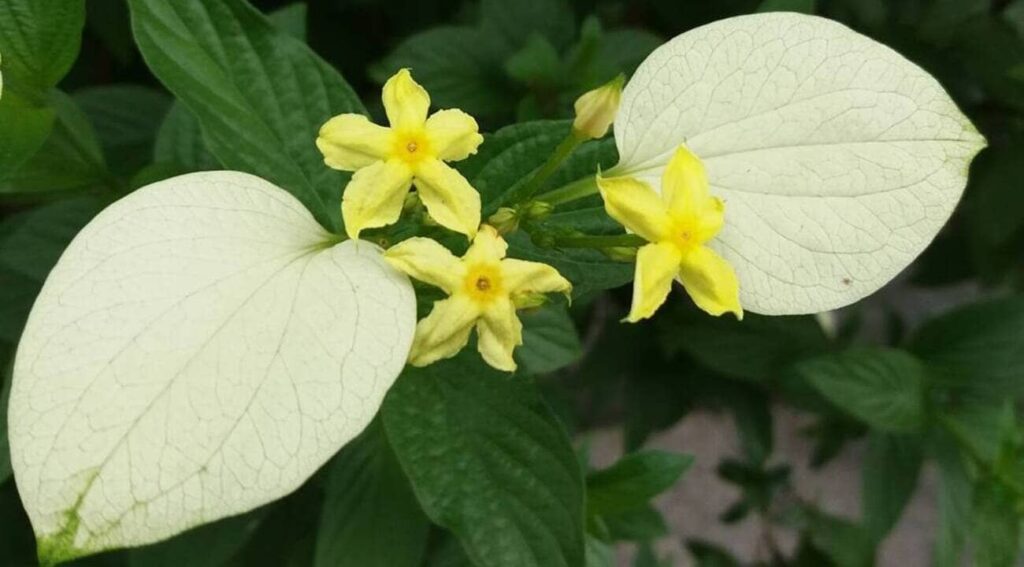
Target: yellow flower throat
{"x":483,"y":283}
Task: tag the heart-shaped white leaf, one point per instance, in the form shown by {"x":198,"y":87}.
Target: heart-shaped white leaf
{"x":200,"y":349}
{"x":838,"y":159}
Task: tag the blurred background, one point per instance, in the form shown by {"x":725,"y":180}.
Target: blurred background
{"x":784,"y":473}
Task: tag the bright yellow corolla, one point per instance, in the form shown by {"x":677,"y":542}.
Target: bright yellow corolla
{"x":387,"y":161}
{"x":484,"y":289}
{"x":677,"y":224}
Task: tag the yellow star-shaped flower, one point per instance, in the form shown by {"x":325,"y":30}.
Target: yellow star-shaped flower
{"x":388,"y":161}
{"x":677,"y":224}
{"x":483,"y":286}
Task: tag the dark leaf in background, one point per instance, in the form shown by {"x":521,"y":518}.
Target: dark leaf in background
{"x":955,"y":495}
{"x":30,"y":245}
{"x":634,"y":480}
{"x":180,"y":141}
{"x":803,"y":6}
{"x":889,"y":479}
{"x":757,"y":348}
{"x":488,"y":461}
{"x":707,"y":554}
{"x":370,"y":515}
{"x":845,"y":543}
{"x":125,"y":118}
{"x":211,"y":545}
{"x":882,"y":387}
{"x":995,"y":527}
{"x":978,"y":347}
{"x":639,"y":524}
{"x":260,"y":94}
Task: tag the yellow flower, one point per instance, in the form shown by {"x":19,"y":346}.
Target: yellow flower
{"x":677,"y":224}
{"x":387,"y":161}
{"x":596,"y":109}
{"x":484,"y":289}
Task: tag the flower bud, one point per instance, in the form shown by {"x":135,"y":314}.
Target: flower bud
{"x":596,"y":109}
{"x":538,"y":210}
{"x":620,"y":253}
{"x":529,"y":300}
{"x":505,"y":220}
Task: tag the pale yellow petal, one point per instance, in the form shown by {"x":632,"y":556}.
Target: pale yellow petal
{"x":711,"y":282}
{"x":520,"y":276}
{"x":449,"y":198}
{"x":444,"y":332}
{"x":636,"y":206}
{"x":685,"y":189}
{"x":656,"y":267}
{"x":499,"y":332}
{"x":405,"y":101}
{"x":488,"y":246}
{"x":375,"y":195}
{"x":428,"y":261}
{"x":454,"y":135}
{"x":350,"y":142}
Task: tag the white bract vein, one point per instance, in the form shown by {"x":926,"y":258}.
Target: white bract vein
{"x":200,"y":349}
{"x":838,"y":159}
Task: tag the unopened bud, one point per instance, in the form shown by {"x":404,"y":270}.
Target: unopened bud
{"x":529,"y":300}
{"x":411,"y":203}
{"x":538,"y":210}
{"x":505,"y":220}
{"x":620,"y":253}
{"x":596,"y":109}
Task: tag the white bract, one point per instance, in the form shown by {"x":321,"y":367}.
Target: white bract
{"x":200,"y":349}
{"x":838,"y":159}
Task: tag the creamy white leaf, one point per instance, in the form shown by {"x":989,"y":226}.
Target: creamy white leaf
{"x":838,"y":159}
{"x":201,"y":348}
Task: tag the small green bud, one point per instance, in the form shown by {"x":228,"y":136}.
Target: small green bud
{"x":505,"y":220}
{"x":529,"y":300}
{"x":620,"y":253}
{"x":596,"y":109}
{"x":411,"y":203}
{"x":538,"y":210}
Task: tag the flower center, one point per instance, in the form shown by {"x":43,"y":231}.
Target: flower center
{"x":411,"y":147}
{"x":483,"y":283}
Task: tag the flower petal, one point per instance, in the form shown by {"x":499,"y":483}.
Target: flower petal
{"x":449,"y":198}
{"x":350,"y":142}
{"x":656,"y":266}
{"x":375,"y":195}
{"x":711,"y":282}
{"x":488,"y":246}
{"x":428,"y":261}
{"x":684,"y":185}
{"x":636,"y":206}
{"x":453,"y":134}
{"x":444,"y":332}
{"x":520,"y":276}
{"x":405,"y":101}
{"x":499,"y":333}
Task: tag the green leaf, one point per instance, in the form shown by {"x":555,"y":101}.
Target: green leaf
{"x":39,"y":40}
{"x":992,"y":61}
{"x":845,"y":543}
{"x":180,"y":141}
{"x":621,"y":51}
{"x":210,"y":545}
{"x":126,"y":118}
{"x":291,"y":19}
{"x":978,"y":347}
{"x":882,"y":387}
{"x":639,"y":524}
{"x":30,"y":244}
{"x":955,"y":495}
{"x":370,"y":515}
{"x":502,"y":164}
{"x":536,"y":63}
{"x":707,"y":554}
{"x":889,"y":478}
{"x":6,"y":353}
{"x":996,"y":211}
{"x":599,"y":553}
{"x":514,"y":22}
{"x":488,"y":461}
{"x":803,"y":6}
{"x":461,"y":67}
{"x":259,"y":94}
{"x":757,"y":348}
{"x":550,"y":340}
{"x":634,"y":480}
{"x":70,"y":159}
{"x":995,"y":525}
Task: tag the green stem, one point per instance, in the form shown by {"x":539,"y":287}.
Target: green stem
{"x":534,"y":183}
{"x":587,"y":241}
{"x":578,"y":189}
